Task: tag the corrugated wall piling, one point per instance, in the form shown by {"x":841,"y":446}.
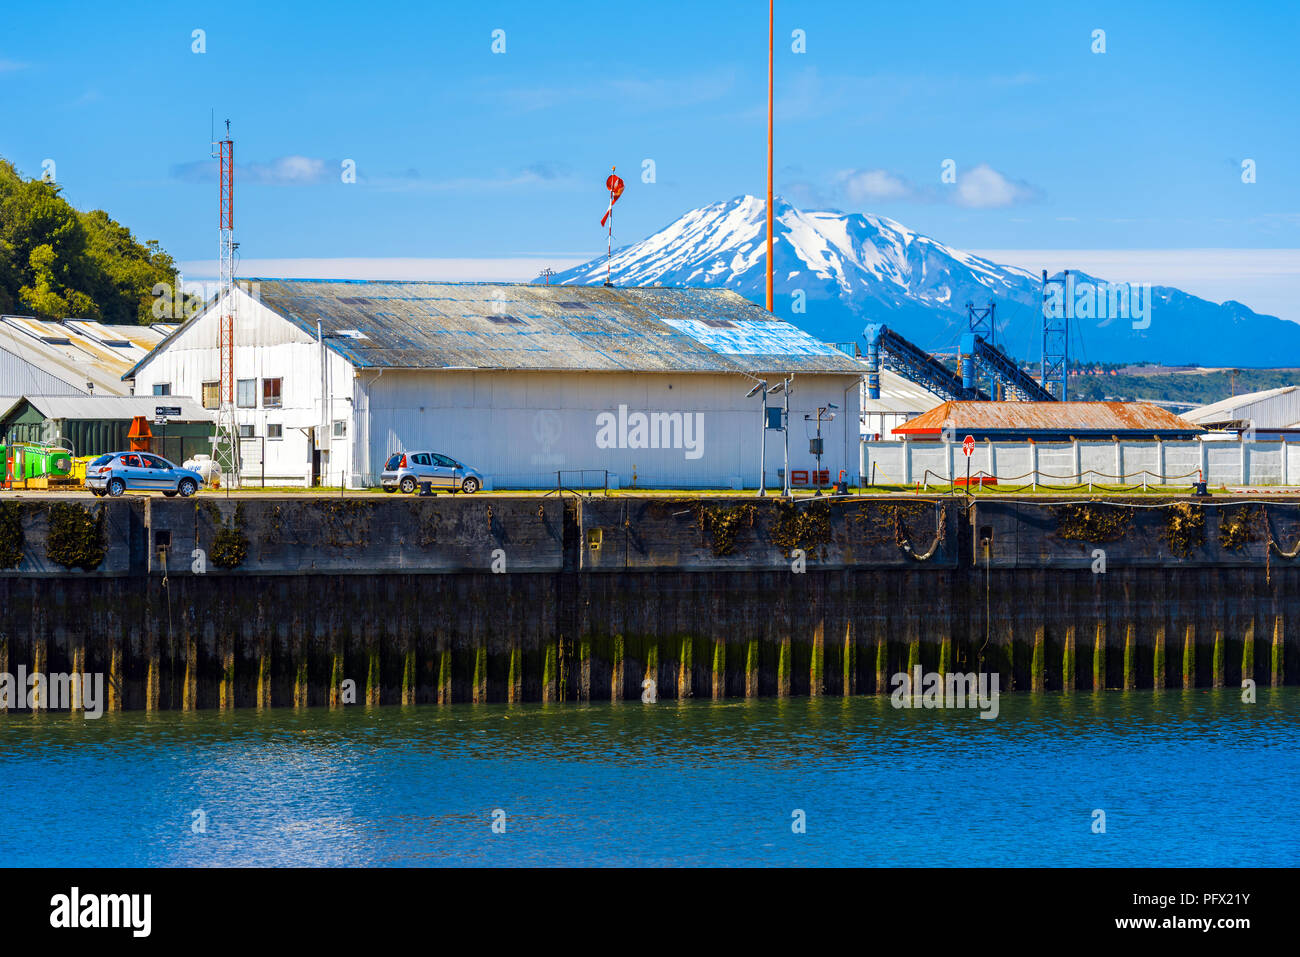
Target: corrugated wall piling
{"x":226,"y":686}
{"x":39,"y":699}
{"x":617,"y":668}
{"x":1038,"y":662}
{"x":374,"y":677}
{"x":409,"y":677}
{"x":817,"y":668}
{"x":445,"y":673}
{"x":685,"y":666}
{"x":1069,"y":662}
{"x":652,"y":664}
{"x":783,"y":668}
{"x":418,"y":634}
{"x":1130,"y":657}
{"x":1158,"y":665}
{"x":882,"y":665}
{"x":1248,"y":652}
{"x":337,"y":676}
{"x":1277,"y":658}
{"x":1099,"y":658}
{"x":77,"y":666}
{"x":850,"y":659}
{"x":1189,"y":656}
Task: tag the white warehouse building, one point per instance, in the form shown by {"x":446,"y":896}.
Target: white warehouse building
{"x":519,"y":381}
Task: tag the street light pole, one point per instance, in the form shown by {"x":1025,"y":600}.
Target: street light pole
{"x":760,"y":389}
{"x":787,"y":387}
{"x":827,"y":410}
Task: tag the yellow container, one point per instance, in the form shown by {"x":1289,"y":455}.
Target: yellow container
{"x":79,"y":466}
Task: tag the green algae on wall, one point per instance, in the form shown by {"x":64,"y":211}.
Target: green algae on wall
{"x":76,"y":538}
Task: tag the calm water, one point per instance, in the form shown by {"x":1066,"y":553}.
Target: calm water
{"x":1195,"y":778}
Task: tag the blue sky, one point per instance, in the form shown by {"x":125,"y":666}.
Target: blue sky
{"x":466,"y":154}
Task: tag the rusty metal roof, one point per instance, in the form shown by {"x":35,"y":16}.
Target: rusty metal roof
{"x":442,"y":325}
{"x":1055,"y":418}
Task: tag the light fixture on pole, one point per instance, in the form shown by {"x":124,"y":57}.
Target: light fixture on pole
{"x":785,"y":386}
{"x":824,"y":413}
{"x":761,"y":386}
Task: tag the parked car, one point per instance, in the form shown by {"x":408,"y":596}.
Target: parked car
{"x":407,"y":470}
{"x":118,"y":472}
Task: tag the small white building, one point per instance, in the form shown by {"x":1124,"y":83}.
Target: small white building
{"x":519,"y":381}
{"x":901,"y":400}
{"x":1272,"y":414}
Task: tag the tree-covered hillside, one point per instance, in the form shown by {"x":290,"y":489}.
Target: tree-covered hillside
{"x":57,"y":262}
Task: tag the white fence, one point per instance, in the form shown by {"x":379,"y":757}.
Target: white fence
{"x":1122,"y":462}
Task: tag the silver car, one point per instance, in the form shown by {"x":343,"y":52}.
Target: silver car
{"x":408,"y":470}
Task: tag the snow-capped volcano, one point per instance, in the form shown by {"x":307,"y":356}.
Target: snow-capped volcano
{"x":835,"y":271}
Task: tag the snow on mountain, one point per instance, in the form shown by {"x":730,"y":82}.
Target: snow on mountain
{"x":835,"y":271}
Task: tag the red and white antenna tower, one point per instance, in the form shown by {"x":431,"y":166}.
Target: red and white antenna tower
{"x":226,"y":448}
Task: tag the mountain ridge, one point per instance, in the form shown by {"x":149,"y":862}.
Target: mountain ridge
{"x":837,"y":271}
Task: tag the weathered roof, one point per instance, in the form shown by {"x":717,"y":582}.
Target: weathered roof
{"x":900,"y":395}
{"x":65,"y":351}
{"x":1058,"y":418}
{"x":110,"y":407}
{"x":1270,"y":407}
{"x":443,"y":325}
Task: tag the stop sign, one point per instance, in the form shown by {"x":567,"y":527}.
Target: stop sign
{"x":968,"y":446}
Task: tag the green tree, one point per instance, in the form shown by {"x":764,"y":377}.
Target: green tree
{"x":59,"y":263}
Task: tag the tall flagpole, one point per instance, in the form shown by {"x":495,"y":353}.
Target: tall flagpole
{"x":771,"y":40}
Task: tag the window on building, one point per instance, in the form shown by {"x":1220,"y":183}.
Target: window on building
{"x":274,"y":430}
{"x":271,"y":393}
{"x":212,"y":395}
{"x":246,"y":432}
{"x":246,"y":393}
{"x":340,"y":428}
{"x":162,"y":388}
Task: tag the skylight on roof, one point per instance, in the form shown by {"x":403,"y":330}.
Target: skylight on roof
{"x":352,"y":334}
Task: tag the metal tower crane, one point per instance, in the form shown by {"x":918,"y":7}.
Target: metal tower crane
{"x":225,"y":445}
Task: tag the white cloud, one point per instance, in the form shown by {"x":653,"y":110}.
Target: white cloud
{"x":283,"y":171}
{"x":983,"y":187}
{"x":980,"y":187}
{"x":867,"y":184}
{"x":487,"y":269}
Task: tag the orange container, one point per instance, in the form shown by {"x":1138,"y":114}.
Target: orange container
{"x":140,"y":436}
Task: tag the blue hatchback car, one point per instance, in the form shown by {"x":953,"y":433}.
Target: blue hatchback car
{"x":118,"y":472}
